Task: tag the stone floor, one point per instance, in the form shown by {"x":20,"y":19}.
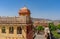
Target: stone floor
{"x":38,"y":36}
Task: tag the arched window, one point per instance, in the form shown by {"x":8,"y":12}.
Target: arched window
{"x":19,"y":30}
{"x":3,"y":30}
{"x":11,"y":30}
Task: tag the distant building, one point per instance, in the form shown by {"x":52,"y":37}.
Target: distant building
{"x":56,"y":23}
{"x":17,"y":27}
{"x":40,"y":23}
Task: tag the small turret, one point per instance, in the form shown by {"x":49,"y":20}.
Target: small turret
{"x":24,"y":12}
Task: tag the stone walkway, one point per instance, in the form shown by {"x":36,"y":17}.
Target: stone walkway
{"x":39,"y":36}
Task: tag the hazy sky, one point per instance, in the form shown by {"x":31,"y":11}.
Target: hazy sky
{"x":48,"y":9}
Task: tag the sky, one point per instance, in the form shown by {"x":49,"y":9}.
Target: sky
{"x":47,"y":9}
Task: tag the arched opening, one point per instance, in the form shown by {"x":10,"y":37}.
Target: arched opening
{"x":19,"y":30}
{"x":11,"y":30}
{"x":3,"y":30}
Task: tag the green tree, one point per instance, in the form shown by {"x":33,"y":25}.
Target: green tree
{"x":39,"y":28}
{"x":58,"y":27}
{"x":52,"y":27}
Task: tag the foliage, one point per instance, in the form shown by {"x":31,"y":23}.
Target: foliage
{"x":39,"y":28}
{"x":55,"y":34}
{"x":58,"y":27}
{"x":52,"y":27}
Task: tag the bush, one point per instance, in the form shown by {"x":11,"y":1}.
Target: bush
{"x":56,"y":35}
{"x":39,"y":28}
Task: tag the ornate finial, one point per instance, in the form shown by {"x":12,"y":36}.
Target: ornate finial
{"x":25,"y":6}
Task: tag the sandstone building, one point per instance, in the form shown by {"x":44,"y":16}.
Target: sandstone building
{"x":17,"y":27}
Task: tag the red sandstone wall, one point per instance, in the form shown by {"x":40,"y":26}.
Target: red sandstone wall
{"x":30,"y":35}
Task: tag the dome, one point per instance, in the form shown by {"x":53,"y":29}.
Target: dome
{"x":24,"y":10}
